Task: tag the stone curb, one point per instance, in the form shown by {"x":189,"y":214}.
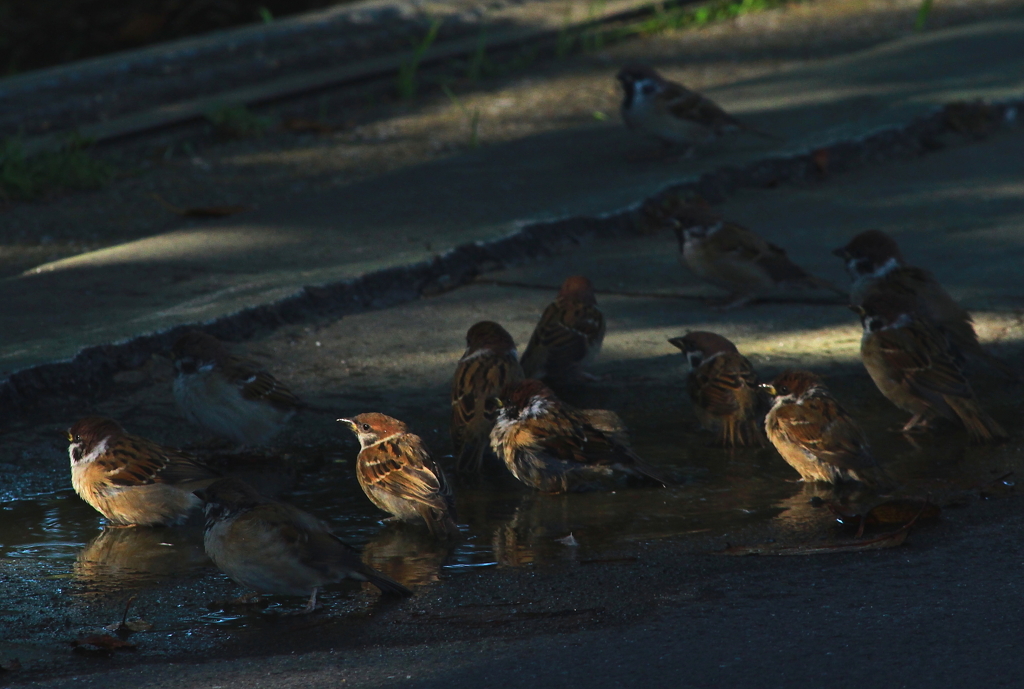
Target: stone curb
{"x":91,"y":370}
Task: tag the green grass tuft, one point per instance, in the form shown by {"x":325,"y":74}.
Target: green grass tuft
{"x":473,"y":117}
{"x":237,"y":122}
{"x":25,"y":177}
{"x":922,"y":15}
{"x":408,"y":69}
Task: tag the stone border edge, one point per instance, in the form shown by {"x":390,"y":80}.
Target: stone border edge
{"x":91,"y":370}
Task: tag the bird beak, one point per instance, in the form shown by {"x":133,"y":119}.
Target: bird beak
{"x":841,"y":253}
{"x":201,"y":494}
{"x":857,"y":309}
{"x":348,"y":422}
{"x":498,"y":403}
{"x":677,"y":342}
{"x":769,"y":388}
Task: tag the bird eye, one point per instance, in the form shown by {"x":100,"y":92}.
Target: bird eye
{"x":366,"y":427}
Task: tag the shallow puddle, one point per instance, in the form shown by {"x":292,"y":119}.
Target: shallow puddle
{"x":63,"y":574}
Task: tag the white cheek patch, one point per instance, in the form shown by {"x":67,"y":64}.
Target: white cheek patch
{"x":886,"y":268}
{"x":98,"y":451}
{"x":538,"y":407}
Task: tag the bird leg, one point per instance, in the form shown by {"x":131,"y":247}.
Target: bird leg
{"x":311,"y":605}
{"x":915,"y":422}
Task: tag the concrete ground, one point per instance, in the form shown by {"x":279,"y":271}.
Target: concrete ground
{"x":200,"y":272}
{"x":653,"y":606}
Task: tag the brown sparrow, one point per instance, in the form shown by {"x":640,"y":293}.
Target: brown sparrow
{"x":554,"y":448}
{"x":815,"y":435}
{"x":396,"y":472}
{"x":569,"y":334}
{"x":876,"y":264}
{"x":130,"y":480}
{"x":672,"y":113}
{"x":732,"y":257}
{"x":488,"y":366}
{"x":232,"y":397}
{"x":274,"y":547}
{"x":914,"y":366}
{"x":723,"y":388}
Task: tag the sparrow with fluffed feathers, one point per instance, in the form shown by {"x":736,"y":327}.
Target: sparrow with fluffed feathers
{"x":274,"y":547}
{"x":488,"y":366}
{"x":672,"y":113}
{"x":736,"y":259}
{"x":397,"y":474}
{"x":230,"y":396}
{"x":554,"y":448}
{"x":568,"y":336}
{"x":816,"y":436}
{"x":876,"y":265}
{"x":724,"y":389}
{"x":130,"y":480}
{"x":915,"y":367}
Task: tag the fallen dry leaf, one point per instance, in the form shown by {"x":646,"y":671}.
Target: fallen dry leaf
{"x":820,"y":159}
{"x":975,"y":119}
{"x":101,"y":645}
{"x":201,"y":211}
{"x":901,"y":511}
{"x":887,"y":540}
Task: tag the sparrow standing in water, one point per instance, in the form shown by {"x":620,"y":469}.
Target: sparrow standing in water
{"x":568,"y":336}
{"x":396,"y":472}
{"x":130,"y":480}
{"x":876,"y":264}
{"x":488,"y":366}
{"x":273,"y":547}
{"x":913,"y":365}
{"x":732,"y":257}
{"x":815,"y":435}
{"x":554,"y":448}
{"x":723,"y":388}
{"x":232,"y":397}
{"x":672,"y":113}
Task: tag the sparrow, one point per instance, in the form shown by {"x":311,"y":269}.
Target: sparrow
{"x":815,"y":435}
{"x":396,"y":472}
{"x":232,"y":397}
{"x":489,"y":364}
{"x":274,"y":547}
{"x":568,"y":336}
{"x":130,"y":480}
{"x":876,"y":264}
{"x":914,"y":366}
{"x":736,"y":259}
{"x":672,"y":113}
{"x":724,"y":389}
{"x":554,"y":448}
